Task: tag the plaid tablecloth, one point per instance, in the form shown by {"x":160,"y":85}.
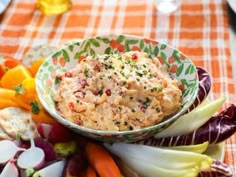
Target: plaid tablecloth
{"x":200,"y":29}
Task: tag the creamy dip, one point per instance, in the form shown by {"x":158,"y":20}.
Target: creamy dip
{"x":117,"y":92}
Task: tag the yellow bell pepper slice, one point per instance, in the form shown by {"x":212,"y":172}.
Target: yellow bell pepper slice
{"x":26,"y":97}
{"x":15,"y":76}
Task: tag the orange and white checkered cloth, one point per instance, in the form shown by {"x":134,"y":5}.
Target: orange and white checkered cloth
{"x":199,"y":29}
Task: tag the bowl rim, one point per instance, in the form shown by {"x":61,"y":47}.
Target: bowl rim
{"x":166,"y":121}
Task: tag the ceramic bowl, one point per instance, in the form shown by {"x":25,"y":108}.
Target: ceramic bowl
{"x":178,"y":64}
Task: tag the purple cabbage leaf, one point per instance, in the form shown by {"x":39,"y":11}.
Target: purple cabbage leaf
{"x":203,"y":88}
{"x":218,"y":169}
{"x":216,"y":130}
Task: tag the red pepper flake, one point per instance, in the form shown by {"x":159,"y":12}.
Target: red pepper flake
{"x":96,"y":68}
{"x":77,"y":91}
{"x":108,"y":92}
{"x":71,"y":106}
{"x":134,"y":56}
{"x":68,"y":74}
{"x":79,"y":122}
{"x":83,"y":83}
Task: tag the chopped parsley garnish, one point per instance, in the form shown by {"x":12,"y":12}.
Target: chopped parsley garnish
{"x":100,"y":92}
{"x":108,"y":66}
{"x":57,"y":80}
{"x":6,"y":68}
{"x":146,"y":103}
{"x":150,"y":76}
{"x":139,"y":74}
{"x":133,"y":110}
{"x":158,"y":109}
{"x":153,"y":89}
{"x":131,"y":98}
{"x":145,"y":72}
{"x":106,"y":57}
{"x":35,"y":107}
{"x":145,"y":87}
{"x":86,"y":72}
{"x":117,"y":122}
{"x":128,"y":62}
{"x":19,"y":89}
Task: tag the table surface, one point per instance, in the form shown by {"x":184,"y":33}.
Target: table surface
{"x":200,"y":29}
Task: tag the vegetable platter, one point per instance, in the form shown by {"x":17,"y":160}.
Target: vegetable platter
{"x":182,"y":150}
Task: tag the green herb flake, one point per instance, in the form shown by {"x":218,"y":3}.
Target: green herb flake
{"x":57,"y":80}
{"x":158,"y":109}
{"x":133,"y":110}
{"x":35,"y":107}
{"x":86,"y":72}
{"x":146,"y":103}
{"x":19,"y":89}
{"x":6,"y":68}
{"x":100,"y":92}
{"x":139,"y":74}
{"x":131,"y":98}
{"x":117,"y":122}
{"x":153,"y":89}
{"x":145,"y":72}
{"x":150,"y":76}
{"x":106,"y":57}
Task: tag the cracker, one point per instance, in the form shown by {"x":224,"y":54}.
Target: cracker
{"x":4,"y":136}
{"x":37,"y":52}
{"x":16,"y":121}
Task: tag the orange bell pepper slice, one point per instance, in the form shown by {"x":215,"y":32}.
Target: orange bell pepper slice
{"x":15,"y":76}
{"x":35,"y":66}
{"x":39,"y":114}
{"x":6,"y":63}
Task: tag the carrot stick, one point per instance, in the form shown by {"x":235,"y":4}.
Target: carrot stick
{"x":90,"y":172}
{"x":101,"y":161}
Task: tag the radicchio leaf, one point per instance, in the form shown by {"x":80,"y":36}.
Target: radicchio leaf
{"x":216,"y":130}
{"x":218,"y":169}
{"x":203,"y":88}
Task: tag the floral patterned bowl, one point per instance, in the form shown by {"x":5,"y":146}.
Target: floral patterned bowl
{"x":179,"y":66}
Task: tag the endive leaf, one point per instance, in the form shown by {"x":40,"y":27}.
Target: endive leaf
{"x":193,"y":120}
{"x":160,"y":158}
{"x":198,"y":148}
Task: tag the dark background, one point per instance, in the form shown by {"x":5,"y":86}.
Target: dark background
{"x":232,"y":19}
